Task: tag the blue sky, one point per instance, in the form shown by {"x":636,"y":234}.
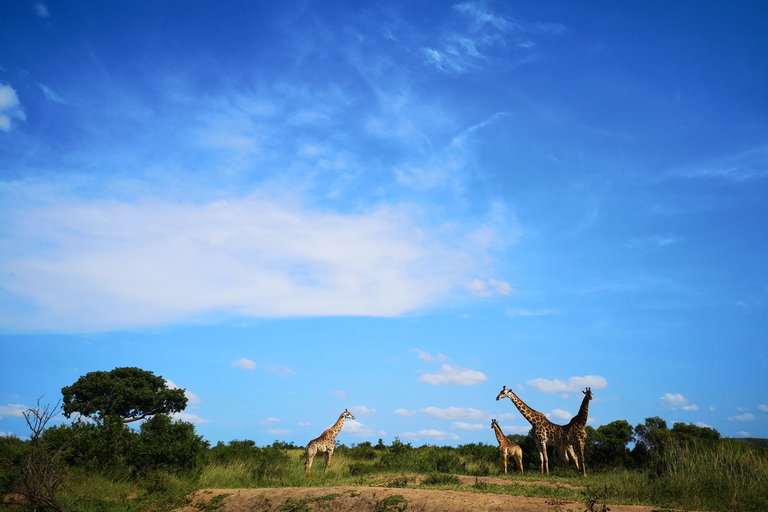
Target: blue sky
{"x":294,"y":208}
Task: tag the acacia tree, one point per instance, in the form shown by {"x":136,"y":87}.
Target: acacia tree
{"x":130,"y":393}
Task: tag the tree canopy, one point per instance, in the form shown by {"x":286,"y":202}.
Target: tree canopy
{"x":130,"y":393}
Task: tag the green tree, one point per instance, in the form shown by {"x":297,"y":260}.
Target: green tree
{"x":650,"y":438}
{"x":607,"y":445}
{"x":130,"y":393}
{"x":688,"y":432}
{"x":167,"y":444}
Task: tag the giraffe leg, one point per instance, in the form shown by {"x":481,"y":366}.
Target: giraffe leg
{"x":504,"y":457}
{"x":518,"y":456}
{"x":574,"y":457}
{"x":545,"y":461}
{"x":328,"y":455}
{"x":310,"y":457}
{"x":583,"y":460}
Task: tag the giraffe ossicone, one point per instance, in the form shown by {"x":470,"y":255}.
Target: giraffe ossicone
{"x":326,"y":443}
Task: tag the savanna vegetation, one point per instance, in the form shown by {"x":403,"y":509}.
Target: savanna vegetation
{"x":107,"y":465}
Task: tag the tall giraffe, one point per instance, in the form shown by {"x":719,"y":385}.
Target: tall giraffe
{"x":326,"y":443}
{"x":544,"y":431}
{"x":575,"y":431}
{"x":507,"y":447}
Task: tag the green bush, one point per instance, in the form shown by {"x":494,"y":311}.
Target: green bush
{"x":13,"y":452}
{"x":167,"y":444}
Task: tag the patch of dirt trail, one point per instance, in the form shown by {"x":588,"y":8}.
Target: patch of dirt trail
{"x":383,"y":499}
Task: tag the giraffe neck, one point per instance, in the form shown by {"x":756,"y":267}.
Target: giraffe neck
{"x":500,"y":437}
{"x":528,"y":413}
{"x":336,"y":428}
{"x":581,"y":417}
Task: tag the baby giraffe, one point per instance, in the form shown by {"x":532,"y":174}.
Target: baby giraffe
{"x":325,"y":443}
{"x":507,"y":447}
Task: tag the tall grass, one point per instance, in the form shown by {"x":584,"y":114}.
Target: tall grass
{"x":727,"y":475}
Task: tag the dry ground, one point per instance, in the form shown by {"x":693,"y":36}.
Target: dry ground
{"x":351,"y":498}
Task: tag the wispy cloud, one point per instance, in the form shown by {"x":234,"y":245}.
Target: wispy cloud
{"x":41,"y":10}
{"x":751,"y":163}
{"x":488,"y":289}
{"x":430,"y":434}
{"x":10,"y":107}
{"x":101,"y":265}
{"x":361,"y":410}
{"x":426,"y":356}
{"x":12,"y":410}
{"x":677,"y":402}
{"x":569,"y":386}
{"x":470,"y":427}
{"x":747,"y":416}
{"x":455,"y":413}
{"x":245,"y":364}
{"x":405,"y":413}
{"x":453,"y":376}
{"x":339,"y":394}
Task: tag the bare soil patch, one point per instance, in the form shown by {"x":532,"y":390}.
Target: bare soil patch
{"x":384,"y":499}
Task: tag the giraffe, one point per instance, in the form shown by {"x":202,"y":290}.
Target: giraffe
{"x":574,"y":431}
{"x":326,"y":443}
{"x":507,"y":447}
{"x":544,"y":431}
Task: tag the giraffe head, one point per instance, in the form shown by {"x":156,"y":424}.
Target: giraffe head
{"x":504,"y":393}
{"x":588,"y":394}
{"x":347,"y":414}
{"x":494,"y":423}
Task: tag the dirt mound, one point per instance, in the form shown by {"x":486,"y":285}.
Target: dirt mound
{"x":379,"y":499}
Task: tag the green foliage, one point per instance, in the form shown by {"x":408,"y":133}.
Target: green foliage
{"x":13,"y":453}
{"x":96,"y":446}
{"x":130,"y":393}
{"x":167,"y":444}
{"x":392,"y":503}
{"x":441,"y":479}
{"x":607,"y":446}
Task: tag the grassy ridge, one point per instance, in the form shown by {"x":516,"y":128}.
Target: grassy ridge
{"x":723,"y":476}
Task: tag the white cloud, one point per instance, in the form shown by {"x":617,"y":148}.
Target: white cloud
{"x":361,"y":410}
{"x":747,"y":416}
{"x":280,"y":370}
{"x":762,"y":408}
{"x":278,"y":432}
{"x":493,"y":287}
{"x":560,"y":414}
{"x":677,"y":403}
{"x":405,"y":413}
{"x":468,"y":426}
{"x":189,"y":418}
{"x":269,"y":421}
{"x":516,"y":429}
{"x":13,"y":410}
{"x":454,"y":376}
{"x":41,"y":10}
{"x":244,"y":363}
{"x":743,"y":434}
{"x":573,"y":384}
{"x":357,"y":429}
{"x":527,"y":312}
{"x":256,"y":256}
{"x":703,"y":425}
{"x":10,"y":107}
{"x":430,"y":433}
{"x":426,"y":356}
{"x":192,"y":399}
{"x":455,"y":413}
{"x":339,"y":394}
